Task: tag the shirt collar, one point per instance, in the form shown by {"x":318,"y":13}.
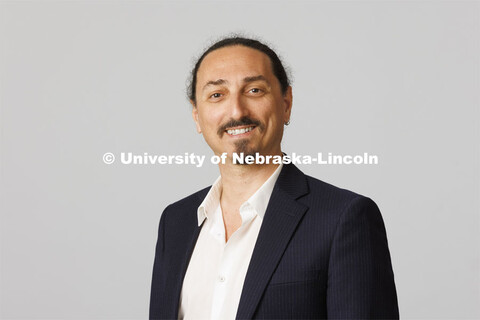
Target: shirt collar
{"x":259,"y":200}
{"x":211,"y":201}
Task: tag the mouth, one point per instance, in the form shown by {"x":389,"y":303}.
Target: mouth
{"x":240,"y":131}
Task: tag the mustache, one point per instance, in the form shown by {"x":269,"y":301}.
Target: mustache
{"x":244,"y":121}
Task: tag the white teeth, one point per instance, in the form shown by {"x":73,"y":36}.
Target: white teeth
{"x":234,"y":132}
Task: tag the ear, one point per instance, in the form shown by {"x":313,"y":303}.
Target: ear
{"x":288,"y":100}
{"x":195,"y":116}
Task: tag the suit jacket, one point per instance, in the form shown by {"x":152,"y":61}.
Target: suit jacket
{"x":321,"y":253}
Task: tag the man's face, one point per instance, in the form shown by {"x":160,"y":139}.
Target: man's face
{"x":240,"y":106}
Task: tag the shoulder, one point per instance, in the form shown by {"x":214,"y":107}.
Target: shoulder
{"x":194,"y":198}
{"x":319,"y":188}
{"x":188,"y":204}
{"x":332,"y":208}
{"x":328,"y":197}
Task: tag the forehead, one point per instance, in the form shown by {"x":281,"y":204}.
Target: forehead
{"x":234,"y":62}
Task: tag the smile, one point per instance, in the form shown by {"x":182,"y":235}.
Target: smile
{"x":234,"y":132}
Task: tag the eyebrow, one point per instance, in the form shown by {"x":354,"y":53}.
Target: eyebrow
{"x":246,"y":80}
{"x":215,"y":83}
{"x":255,"y":78}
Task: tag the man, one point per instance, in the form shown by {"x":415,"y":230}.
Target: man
{"x":265,"y":241}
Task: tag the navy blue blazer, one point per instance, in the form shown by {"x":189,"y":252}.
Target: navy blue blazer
{"x":321,"y":253}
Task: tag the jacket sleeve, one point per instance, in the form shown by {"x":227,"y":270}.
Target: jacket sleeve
{"x":360,"y":276}
{"x":158,"y":278}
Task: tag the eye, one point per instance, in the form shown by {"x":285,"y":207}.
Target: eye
{"x":255,"y":90}
{"x":216,"y":95}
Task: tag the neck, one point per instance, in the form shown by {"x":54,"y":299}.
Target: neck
{"x":240,"y":182}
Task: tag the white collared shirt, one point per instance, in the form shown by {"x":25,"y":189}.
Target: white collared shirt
{"x":214,"y":279}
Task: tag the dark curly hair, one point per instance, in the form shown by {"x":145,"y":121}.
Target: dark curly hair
{"x":277,"y":66}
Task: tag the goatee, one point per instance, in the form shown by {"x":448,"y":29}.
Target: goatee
{"x":241,"y":146}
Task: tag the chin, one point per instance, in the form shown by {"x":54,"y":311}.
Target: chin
{"x":242,"y":146}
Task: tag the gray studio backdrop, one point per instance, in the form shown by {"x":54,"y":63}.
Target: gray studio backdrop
{"x":83,"y":78}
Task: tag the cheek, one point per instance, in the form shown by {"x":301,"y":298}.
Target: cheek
{"x":274,"y":117}
{"x":209,"y":120}
{"x":274,"y":123}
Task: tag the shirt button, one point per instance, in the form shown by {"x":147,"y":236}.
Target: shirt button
{"x":221,"y":279}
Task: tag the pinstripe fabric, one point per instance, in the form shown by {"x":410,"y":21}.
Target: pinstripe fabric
{"x":321,"y":253}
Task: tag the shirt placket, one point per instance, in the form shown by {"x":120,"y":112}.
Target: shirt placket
{"x":226,"y":269}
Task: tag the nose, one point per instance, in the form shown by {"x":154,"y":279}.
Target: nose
{"x":238,"y":106}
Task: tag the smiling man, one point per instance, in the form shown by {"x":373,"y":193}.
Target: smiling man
{"x":265,"y":241}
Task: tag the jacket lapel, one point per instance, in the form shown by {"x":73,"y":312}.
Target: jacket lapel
{"x":280,"y":221}
{"x":190,"y":232}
